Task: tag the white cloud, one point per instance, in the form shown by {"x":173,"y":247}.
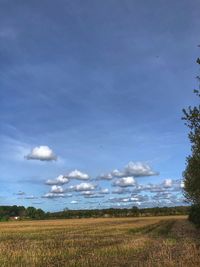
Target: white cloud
{"x":61,"y":179}
{"x":57,"y":189}
{"x":83,"y":187}
{"x":125,"y":181}
{"x":92,"y":194}
{"x":64,"y":179}
{"x":107,"y":176}
{"x":104,"y":191}
{"x":182,"y":184}
{"x":53,"y":195}
{"x":168,"y":183}
{"x":136,"y":199}
{"x":43,"y":153}
{"x":134,"y":169}
{"x":165,"y":186}
{"x":121,"y":190}
{"x":139,"y":169}
{"x":117,"y":173}
{"x":125,"y":200}
{"x":74,"y":202}
{"x":76,"y":174}
{"x":163,"y":195}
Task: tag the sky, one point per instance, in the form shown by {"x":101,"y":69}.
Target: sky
{"x":91,"y":99}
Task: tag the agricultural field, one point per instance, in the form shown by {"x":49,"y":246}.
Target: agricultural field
{"x":150,"y":241}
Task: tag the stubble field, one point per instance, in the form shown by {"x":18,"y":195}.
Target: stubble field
{"x":150,"y":241}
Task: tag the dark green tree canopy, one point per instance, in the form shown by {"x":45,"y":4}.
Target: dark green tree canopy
{"x":192,"y":172}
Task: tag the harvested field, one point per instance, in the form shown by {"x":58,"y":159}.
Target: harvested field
{"x":150,"y":241}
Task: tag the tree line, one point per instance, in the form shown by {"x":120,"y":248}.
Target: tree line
{"x":119,"y":212}
{"x":31,"y":213}
{"x":20,"y":212}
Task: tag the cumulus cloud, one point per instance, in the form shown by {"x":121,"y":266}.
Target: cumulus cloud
{"x":82,"y":187}
{"x":74,"y":202}
{"x":137,"y":198}
{"x":76,"y":174}
{"x":121,"y":191}
{"x":57,"y":189}
{"x":168,"y":199}
{"x":64,"y":179}
{"x":164,"y":186}
{"x":117,"y":173}
{"x":168,"y":183}
{"x":104,"y":191}
{"x":92,"y":194}
{"x":163,"y":195}
{"x":144,"y":201}
{"x":43,"y":153}
{"x":134,"y":169}
{"x":107,"y":176}
{"x":61,"y":179}
{"x":182,"y":184}
{"x":87,"y":193}
{"x":53,"y":195}
{"x":139,"y":169}
{"x":125,"y":182}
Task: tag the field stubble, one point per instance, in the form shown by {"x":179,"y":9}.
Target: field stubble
{"x":152,"y":241}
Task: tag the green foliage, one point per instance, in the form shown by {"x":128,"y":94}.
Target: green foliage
{"x":194,"y":214}
{"x":8,"y":212}
{"x":192,"y":179}
{"x":34,"y":213}
{"x":4,"y":218}
{"x":12,"y":211}
{"x":192,"y":171}
{"x":133,"y":212}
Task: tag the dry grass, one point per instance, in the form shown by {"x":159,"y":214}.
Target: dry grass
{"x":152,"y":241}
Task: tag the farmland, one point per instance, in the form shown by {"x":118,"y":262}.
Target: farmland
{"x":149,"y":241}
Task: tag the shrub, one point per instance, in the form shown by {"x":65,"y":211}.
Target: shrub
{"x":194,"y":214}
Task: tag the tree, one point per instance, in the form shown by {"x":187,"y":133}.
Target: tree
{"x":31,"y":212}
{"x":135,"y":210}
{"x":39,"y":214}
{"x":192,"y":172}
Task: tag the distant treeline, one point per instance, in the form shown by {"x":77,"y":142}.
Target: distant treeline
{"x":22,"y":213}
{"x":112,"y":212}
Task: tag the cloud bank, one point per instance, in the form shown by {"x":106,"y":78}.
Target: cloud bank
{"x":133,"y":169}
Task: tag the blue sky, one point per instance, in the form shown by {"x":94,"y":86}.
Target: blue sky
{"x":92,"y":86}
